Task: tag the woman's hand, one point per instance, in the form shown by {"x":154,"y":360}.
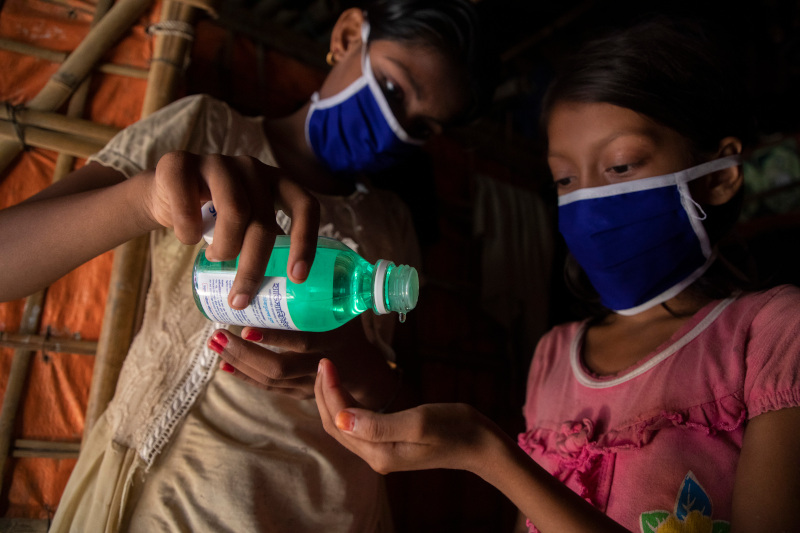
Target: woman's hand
{"x":246,"y":193}
{"x":95,"y":209}
{"x":292,"y":367}
{"x":429,"y":436}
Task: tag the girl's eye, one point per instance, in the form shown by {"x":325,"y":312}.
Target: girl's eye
{"x":563,"y":183}
{"x":623,"y":170}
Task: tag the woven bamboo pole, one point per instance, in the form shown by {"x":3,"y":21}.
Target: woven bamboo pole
{"x":59,"y":57}
{"x":18,"y":377}
{"x":77,"y":103}
{"x":51,"y":140}
{"x":42,"y":448}
{"x":170,"y":54}
{"x":78,"y":64}
{"x":31,"y":444}
{"x":65,"y":163}
{"x":81,"y":61}
{"x":79,"y":127}
{"x":44,"y":343}
{"x":129,"y":271}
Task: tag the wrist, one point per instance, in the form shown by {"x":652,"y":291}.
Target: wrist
{"x":142,"y":199}
{"x":495,"y":454}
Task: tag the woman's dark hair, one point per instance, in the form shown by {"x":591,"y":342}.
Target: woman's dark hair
{"x":675,"y":73}
{"x":452,"y":27}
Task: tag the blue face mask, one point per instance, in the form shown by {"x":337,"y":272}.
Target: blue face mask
{"x":355,"y":130}
{"x":640,"y":242}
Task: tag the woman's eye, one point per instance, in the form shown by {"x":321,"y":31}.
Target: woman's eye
{"x":620,"y":169}
{"x":421,"y":131}
{"x":392,"y":90}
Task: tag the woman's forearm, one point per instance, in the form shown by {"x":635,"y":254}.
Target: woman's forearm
{"x":547,"y":502}
{"x":43,"y":239}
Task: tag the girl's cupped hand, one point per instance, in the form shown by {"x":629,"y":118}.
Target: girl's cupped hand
{"x":442,"y":435}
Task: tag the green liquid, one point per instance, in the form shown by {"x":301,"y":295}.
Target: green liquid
{"x":339,"y":286}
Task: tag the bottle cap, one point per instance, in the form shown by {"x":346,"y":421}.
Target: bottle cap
{"x":396,"y":288}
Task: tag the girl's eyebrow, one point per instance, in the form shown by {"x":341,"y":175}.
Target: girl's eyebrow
{"x":640,"y":134}
{"x":613,"y":136}
{"x":555,"y":155}
{"x":414,"y":85}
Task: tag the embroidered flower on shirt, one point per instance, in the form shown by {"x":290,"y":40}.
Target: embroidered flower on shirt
{"x":575,"y":436}
{"x":692,"y":513}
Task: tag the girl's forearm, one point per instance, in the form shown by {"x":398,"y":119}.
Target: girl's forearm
{"x":547,"y":502}
{"x":44,"y":239}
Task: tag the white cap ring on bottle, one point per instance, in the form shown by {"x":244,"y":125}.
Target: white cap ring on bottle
{"x":378,"y":290}
{"x":209,"y":220}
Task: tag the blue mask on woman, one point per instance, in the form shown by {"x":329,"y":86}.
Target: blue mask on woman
{"x":355,"y":130}
{"x":640,"y":242}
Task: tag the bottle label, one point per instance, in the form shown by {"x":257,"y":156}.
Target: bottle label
{"x":268,"y":308}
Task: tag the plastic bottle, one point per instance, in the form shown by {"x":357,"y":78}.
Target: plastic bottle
{"x":341,"y":285}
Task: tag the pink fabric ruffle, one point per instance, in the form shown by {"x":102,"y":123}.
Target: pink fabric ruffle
{"x":583,"y":460}
{"x":725,"y":414}
{"x":577,"y":438}
{"x":581,"y":463}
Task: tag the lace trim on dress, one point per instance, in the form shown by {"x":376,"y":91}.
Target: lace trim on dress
{"x":179,"y":400}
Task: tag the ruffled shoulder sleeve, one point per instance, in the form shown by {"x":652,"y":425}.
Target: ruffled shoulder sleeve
{"x":772,"y":353}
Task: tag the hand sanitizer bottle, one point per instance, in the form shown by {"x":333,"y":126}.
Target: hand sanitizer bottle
{"x":341,"y":285}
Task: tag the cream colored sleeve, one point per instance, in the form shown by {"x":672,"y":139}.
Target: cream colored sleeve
{"x":181,"y":125}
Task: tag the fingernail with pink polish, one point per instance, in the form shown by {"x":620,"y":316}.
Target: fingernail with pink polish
{"x":227,"y":367}
{"x":253,"y":335}
{"x":218,"y":342}
{"x":346,"y":421}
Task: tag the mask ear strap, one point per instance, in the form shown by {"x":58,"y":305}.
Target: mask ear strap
{"x":709,"y":167}
{"x":364,"y":39}
{"x":377,"y":93}
{"x":701,"y":213}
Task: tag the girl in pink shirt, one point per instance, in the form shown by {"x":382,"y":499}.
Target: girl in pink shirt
{"x":675,"y":408}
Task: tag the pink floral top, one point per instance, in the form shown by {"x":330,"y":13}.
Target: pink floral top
{"x":655,"y":447}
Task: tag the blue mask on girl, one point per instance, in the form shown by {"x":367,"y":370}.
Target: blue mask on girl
{"x":640,"y":242}
{"x":355,"y":130}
